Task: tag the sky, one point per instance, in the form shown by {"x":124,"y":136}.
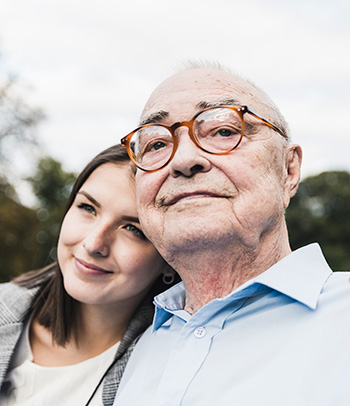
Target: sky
{"x":91,"y":65}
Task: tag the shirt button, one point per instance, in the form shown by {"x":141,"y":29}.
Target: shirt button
{"x":200,"y":332}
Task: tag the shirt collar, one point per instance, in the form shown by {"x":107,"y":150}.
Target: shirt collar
{"x":300,"y":275}
{"x":171,"y":300}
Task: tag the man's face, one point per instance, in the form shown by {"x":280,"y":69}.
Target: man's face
{"x":199,"y":199}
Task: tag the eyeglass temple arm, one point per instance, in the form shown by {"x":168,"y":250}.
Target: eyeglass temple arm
{"x":246,"y":109}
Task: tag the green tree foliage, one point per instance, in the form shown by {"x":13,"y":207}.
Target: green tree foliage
{"x":18,"y":228}
{"x":320,"y":212}
{"x":29,"y":236}
{"x":51,"y":185}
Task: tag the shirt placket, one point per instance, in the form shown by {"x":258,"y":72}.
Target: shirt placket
{"x":188,"y":354}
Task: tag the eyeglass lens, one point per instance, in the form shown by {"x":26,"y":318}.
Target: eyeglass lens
{"x":217,"y":130}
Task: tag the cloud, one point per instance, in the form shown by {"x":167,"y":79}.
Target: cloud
{"x":93,"y":64}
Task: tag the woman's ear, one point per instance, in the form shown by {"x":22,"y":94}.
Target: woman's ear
{"x":294,"y":156}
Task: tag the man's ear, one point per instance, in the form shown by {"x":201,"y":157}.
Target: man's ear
{"x":293,"y":160}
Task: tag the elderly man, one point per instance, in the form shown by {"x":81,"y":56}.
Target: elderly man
{"x":252,"y":323}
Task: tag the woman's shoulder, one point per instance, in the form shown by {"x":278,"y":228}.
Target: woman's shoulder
{"x":14,"y":301}
{"x":9,"y":289}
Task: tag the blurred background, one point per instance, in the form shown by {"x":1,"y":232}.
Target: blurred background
{"x":74,"y":76}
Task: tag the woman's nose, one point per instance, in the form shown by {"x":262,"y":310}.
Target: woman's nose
{"x":97,"y":242}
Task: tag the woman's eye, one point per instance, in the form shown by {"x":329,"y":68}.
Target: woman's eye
{"x":135,"y":230}
{"x":87,"y":207}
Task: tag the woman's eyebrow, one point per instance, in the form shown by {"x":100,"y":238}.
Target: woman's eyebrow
{"x":89,"y":197}
{"x":131,"y":219}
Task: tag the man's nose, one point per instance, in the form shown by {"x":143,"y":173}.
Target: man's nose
{"x":98,"y":241}
{"x":188,"y":159}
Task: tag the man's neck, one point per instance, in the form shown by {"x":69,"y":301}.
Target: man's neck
{"x":213,"y":274}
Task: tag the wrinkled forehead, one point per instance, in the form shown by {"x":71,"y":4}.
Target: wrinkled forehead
{"x":185,"y":93}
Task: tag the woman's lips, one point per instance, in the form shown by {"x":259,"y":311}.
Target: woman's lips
{"x":91,"y":269}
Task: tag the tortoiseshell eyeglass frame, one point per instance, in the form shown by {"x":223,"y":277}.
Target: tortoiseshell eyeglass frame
{"x":240,"y":110}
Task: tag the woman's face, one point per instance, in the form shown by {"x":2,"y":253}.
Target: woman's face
{"x":102,"y":252}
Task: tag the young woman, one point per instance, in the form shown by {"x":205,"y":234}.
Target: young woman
{"x":66,"y":331}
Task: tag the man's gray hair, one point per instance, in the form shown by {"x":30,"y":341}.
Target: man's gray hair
{"x":273,"y":111}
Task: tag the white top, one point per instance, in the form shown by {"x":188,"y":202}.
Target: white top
{"x":28,"y":384}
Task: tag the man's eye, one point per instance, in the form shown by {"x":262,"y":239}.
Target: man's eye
{"x":227,"y":131}
{"x":155,"y":146}
{"x":87,"y":207}
{"x":224,"y":132}
{"x":158,"y":145}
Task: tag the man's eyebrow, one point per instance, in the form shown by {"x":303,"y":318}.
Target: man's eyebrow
{"x":155,"y":117}
{"x":159,"y":116}
{"x":218,"y":103}
{"x":89,"y":197}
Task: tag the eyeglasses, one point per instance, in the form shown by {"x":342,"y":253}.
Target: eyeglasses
{"x":216,"y":130}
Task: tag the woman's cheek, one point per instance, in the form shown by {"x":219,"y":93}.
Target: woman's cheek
{"x":70,"y":230}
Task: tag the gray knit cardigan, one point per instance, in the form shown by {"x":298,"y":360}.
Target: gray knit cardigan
{"x":15,"y":308}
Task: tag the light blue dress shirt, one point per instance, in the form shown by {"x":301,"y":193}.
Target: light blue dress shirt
{"x":282,"y":338}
